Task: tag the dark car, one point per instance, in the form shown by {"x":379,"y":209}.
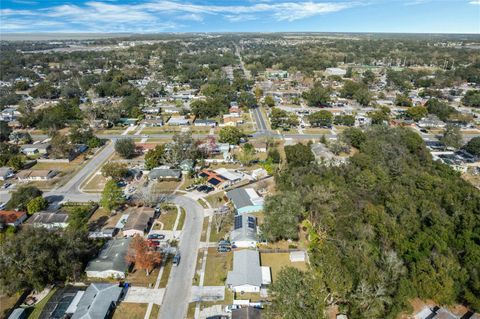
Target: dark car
{"x":224,"y":249}
{"x":156,"y":236}
{"x":224,"y":243}
{"x":176,"y":259}
{"x":423,"y":130}
{"x":205,"y":189}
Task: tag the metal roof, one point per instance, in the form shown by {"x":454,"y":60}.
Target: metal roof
{"x":242,"y":197}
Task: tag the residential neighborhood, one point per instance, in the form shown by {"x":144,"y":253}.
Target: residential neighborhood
{"x":234,"y":175}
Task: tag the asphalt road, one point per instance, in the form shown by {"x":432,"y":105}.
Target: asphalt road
{"x":261,"y":123}
{"x":177,"y":294}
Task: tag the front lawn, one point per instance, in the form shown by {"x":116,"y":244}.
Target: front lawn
{"x":140,"y":278}
{"x":218,"y":265}
{"x":129,"y":310}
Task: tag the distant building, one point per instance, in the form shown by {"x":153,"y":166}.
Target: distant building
{"x":335,"y":71}
{"x":36,"y":175}
{"x":5,"y":173}
{"x":98,"y":301}
{"x":245,"y":200}
{"x":178,"y":121}
{"x":247,"y":274}
{"x":32,"y":149}
{"x":111,"y":262}
{"x":209,"y":123}
{"x":12,"y":217}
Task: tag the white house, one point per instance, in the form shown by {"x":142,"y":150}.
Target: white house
{"x":244,"y":233}
{"x":247,"y":274}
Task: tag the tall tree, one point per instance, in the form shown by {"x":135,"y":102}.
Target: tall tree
{"x":112,"y":196}
{"x":140,"y":254}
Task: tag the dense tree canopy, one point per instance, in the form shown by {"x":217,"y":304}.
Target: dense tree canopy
{"x":388,"y":226}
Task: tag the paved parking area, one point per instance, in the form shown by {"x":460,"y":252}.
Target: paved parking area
{"x":144,"y":295}
{"x":169,"y":234}
{"x":207,"y":293}
{"x":213,"y":311}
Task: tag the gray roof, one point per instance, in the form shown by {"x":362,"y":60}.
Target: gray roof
{"x":246,"y":269}
{"x":244,"y":233}
{"x":139,"y":219}
{"x":157,"y":173}
{"x":37,"y":146}
{"x":241,"y":198}
{"x":112,"y":256}
{"x":4,"y":170}
{"x":97,"y":301}
{"x":46,"y":218}
{"x":246,"y":313}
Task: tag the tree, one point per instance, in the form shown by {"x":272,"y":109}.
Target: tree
{"x":403,"y":100}
{"x":142,"y":256}
{"x":155,"y":157}
{"x":44,"y":257}
{"x":5,"y":131}
{"x":452,"y":137}
{"x":22,"y":196}
{"x":299,"y":155}
{"x":368,"y":77}
{"x":347,"y":120}
{"x":182,"y":147}
{"x":16,"y":162}
{"x":379,"y":117}
{"x":363,"y":96}
{"x":37,"y":204}
{"x":116,"y":171}
{"x":282,"y":214}
{"x":274,"y":155}
{"x":247,"y":99}
{"x":472,"y":98}
{"x":247,"y":154}
{"x":441,"y":109}
{"x":317,"y":96}
{"x":230,"y":135}
{"x":353,"y":136}
{"x":282,"y":119}
{"x":416,"y":113}
{"x":296,"y":294}
{"x":78,"y":217}
{"x":125,"y":147}
{"x":321,"y":118}
{"x":269,"y":101}
{"x":112,"y":196}
{"x":60,"y":146}
{"x":45,"y":90}
{"x":473,"y":146}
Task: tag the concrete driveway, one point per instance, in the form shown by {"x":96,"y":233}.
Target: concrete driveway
{"x":144,"y":295}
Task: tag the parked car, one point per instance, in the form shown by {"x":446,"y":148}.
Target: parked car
{"x":224,"y":249}
{"x":2,"y":205}
{"x":224,"y":243}
{"x":176,"y":259}
{"x":156,"y":236}
{"x":230,"y":308}
{"x":205,"y":189}
{"x":6,"y":185}
{"x":153,"y":243}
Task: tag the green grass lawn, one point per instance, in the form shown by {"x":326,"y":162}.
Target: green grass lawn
{"x":218,"y":265}
{"x":37,"y":310}
{"x":224,"y":230}
{"x":181,"y":220}
{"x":276,"y":261}
{"x":168,"y":217}
{"x":155,"y":311}
{"x":140,"y":278}
{"x":204,"y":229}
{"x":7,"y":302}
{"x":166,"y":273}
{"x":216,"y":200}
{"x":129,"y":310}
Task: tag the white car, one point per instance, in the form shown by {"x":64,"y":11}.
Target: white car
{"x":230,"y":308}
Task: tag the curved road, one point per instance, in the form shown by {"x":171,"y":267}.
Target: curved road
{"x":177,"y":294}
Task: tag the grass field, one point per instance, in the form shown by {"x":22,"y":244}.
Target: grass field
{"x":166,"y":273}
{"x":168,"y":217}
{"x":181,"y":220}
{"x":140,"y":278}
{"x":95,"y":184}
{"x":204,"y":229}
{"x":7,"y":302}
{"x":165,"y":186}
{"x":216,"y":200}
{"x":128,"y":310}
{"x":218,"y":265}
{"x":276,"y":261}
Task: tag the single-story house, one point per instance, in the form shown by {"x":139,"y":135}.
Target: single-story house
{"x":127,"y":121}
{"x":5,"y":173}
{"x":151,"y":110}
{"x":178,"y":120}
{"x":36,"y":175}
{"x":187,"y":166}
{"x":200,"y":122}
{"x":110,"y":263}
{"x":431,"y":121}
{"x":139,"y":221}
{"x":435,"y":313}
{"x":48,"y":220}
{"x":153,"y":122}
{"x":12,"y":217}
{"x":32,"y":149}
{"x":247,"y":274}
{"x":244,"y":233}
{"x":98,"y":301}
{"x":231,"y":120}
{"x":221,"y":178}
{"x":259,"y":146}
{"x":164,"y":173}
{"x":245,"y":200}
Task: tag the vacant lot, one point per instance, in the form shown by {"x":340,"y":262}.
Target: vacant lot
{"x":276,"y":261}
{"x":128,"y":310}
{"x":218,"y":264}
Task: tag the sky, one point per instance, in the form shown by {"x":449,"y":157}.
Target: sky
{"x":152,"y":16}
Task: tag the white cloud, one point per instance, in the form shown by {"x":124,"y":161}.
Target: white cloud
{"x":157,"y":15}
{"x":475,"y":2}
